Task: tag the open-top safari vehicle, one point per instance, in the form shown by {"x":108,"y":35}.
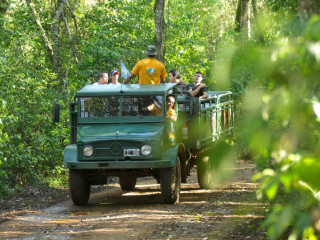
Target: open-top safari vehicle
{"x":114,"y":134}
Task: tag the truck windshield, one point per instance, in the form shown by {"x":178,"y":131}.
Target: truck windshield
{"x":116,"y":106}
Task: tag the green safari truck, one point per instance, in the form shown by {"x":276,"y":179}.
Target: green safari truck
{"x":114,"y":133}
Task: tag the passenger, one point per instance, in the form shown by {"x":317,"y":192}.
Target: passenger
{"x":114,"y":74}
{"x":174,"y":77}
{"x":149,"y":70}
{"x":103,"y":78}
{"x":171,"y":113}
{"x":198,"y":89}
{"x":156,"y":107}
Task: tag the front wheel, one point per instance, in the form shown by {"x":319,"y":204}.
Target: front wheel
{"x":170,"y":182}
{"x":79,"y":187}
{"x":127,"y":183}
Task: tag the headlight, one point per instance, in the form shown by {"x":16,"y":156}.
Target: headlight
{"x":146,"y":150}
{"x":87,"y":151}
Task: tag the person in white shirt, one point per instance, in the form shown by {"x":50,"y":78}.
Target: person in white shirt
{"x":103,"y":78}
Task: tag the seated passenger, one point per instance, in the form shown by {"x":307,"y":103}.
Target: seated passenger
{"x":198,"y":89}
{"x":156,"y":107}
{"x":171,"y":113}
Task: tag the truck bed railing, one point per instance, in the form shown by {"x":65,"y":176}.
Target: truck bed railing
{"x":211,"y":118}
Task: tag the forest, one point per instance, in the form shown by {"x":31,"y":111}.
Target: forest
{"x":267,"y":52}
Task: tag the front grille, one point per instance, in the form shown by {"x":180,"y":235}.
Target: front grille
{"x":113,"y":149}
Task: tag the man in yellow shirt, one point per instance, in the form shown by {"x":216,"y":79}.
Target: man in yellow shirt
{"x":149,"y":70}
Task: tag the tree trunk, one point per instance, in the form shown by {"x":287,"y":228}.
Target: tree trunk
{"x":74,"y":21}
{"x":308,"y":8}
{"x":55,"y":35}
{"x":254,"y":9}
{"x":242,"y":15}
{"x":4,"y":4}
{"x":43,"y":33}
{"x":71,"y":41}
{"x":160,"y":28}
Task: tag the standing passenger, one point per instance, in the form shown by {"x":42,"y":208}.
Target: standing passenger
{"x":149,"y":70}
{"x":103,"y":78}
{"x":198,"y":89}
{"x":174,"y":77}
{"x":114,"y":74}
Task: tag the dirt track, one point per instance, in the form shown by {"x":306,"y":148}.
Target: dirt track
{"x":230,"y":211}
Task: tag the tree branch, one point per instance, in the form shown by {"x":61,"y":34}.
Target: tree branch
{"x":74,"y":19}
{"x":55,"y":35}
{"x":73,"y":52}
{"x":160,"y":27}
{"x":43,"y":33}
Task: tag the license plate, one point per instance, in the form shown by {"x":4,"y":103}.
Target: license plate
{"x":131,"y":152}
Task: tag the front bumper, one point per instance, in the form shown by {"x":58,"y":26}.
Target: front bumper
{"x":119,"y":164}
{"x":169,"y":159}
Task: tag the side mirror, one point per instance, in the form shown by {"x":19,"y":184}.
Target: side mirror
{"x":56,"y":112}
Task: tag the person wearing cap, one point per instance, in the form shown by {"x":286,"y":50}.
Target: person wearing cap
{"x":103,"y":78}
{"x":114,"y":74}
{"x":149,"y":70}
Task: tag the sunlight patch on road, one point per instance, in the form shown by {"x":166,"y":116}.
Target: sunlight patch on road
{"x":139,"y":193}
{"x":147,"y":185}
{"x":194,"y":202}
{"x":244,"y":203}
{"x":44,"y":220}
{"x":251,"y":216}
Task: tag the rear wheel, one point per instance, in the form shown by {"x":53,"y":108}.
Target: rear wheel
{"x":127,"y":183}
{"x":79,"y":187}
{"x":205,"y":172}
{"x":170,"y":182}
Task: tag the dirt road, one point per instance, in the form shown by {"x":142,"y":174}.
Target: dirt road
{"x":230,"y":211}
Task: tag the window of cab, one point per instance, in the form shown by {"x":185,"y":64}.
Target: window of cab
{"x":121,"y":106}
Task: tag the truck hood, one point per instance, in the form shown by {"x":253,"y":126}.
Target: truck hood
{"x":120,"y":131}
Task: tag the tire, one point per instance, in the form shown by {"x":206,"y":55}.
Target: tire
{"x":79,"y":187}
{"x":205,"y":172}
{"x":127,"y":183}
{"x":170,"y":183}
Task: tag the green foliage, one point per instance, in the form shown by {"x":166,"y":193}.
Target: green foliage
{"x":290,"y":6}
{"x":279,"y":124}
{"x":30,"y":144}
{"x":120,"y":33}
{"x":193,"y":34}
{"x":274,"y":76}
